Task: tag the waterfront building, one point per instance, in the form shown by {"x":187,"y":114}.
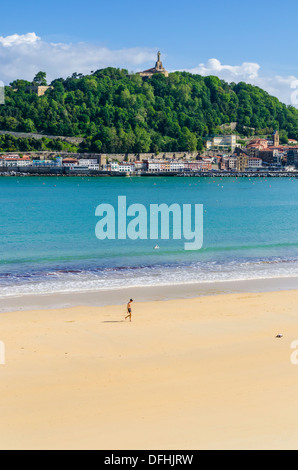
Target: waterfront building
{"x":268,"y":155}
{"x":242,"y":159}
{"x":232,"y":163}
{"x":15,"y":160}
{"x":87,"y":161}
{"x":292,"y":157}
{"x":11,"y":160}
{"x":165,"y":166}
{"x":176,"y":165}
{"x":126,"y":167}
{"x":224,"y":163}
{"x":254,"y":162}
{"x":192,"y":166}
{"x":113,"y":166}
{"x":205,"y":164}
{"x":242,"y":162}
{"x":70,"y":162}
{"x":25,"y":161}
{"x":44,"y":163}
{"x":153,"y":165}
{"x":139,"y":165}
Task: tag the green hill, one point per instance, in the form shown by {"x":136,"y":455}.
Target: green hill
{"x":117,"y":112}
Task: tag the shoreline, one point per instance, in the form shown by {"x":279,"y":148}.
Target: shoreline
{"x":204,"y":174}
{"x":120,"y":295}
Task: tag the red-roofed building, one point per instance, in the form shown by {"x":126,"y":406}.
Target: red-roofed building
{"x":260,"y":144}
{"x":70,"y":162}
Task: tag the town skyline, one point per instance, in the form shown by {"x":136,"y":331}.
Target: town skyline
{"x":224,"y":155}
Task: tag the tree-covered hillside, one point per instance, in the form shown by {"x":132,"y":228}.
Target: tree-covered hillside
{"x":118,"y":113}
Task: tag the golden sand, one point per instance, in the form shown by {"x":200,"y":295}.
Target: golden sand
{"x":204,"y":373}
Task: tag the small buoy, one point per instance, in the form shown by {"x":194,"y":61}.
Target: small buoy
{"x":279,"y":336}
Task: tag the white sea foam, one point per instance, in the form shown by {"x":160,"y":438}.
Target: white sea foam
{"x":108,"y":279}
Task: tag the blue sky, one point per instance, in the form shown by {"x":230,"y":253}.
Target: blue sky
{"x":128,"y":34}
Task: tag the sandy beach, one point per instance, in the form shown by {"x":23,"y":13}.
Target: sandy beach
{"x":195,"y":373}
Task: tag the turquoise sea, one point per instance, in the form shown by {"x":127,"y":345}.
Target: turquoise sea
{"x":48,"y":242}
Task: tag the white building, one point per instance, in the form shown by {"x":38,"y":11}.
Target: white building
{"x":11,"y":161}
{"x":254,"y":162}
{"x":70,"y":162}
{"x":222,"y":142}
{"x":177,"y":165}
{"x":140,"y":166}
{"x":113,"y":166}
{"x":232,"y":163}
{"x":154,"y":165}
{"x":126,"y":167}
{"x":88,"y":162}
{"x":23,"y":163}
{"x":44,"y":163}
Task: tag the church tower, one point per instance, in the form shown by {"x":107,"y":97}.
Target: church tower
{"x":275,"y":138}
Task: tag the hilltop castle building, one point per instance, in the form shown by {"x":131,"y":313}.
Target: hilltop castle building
{"x":158,"y":69}
{"x":39,"y":90}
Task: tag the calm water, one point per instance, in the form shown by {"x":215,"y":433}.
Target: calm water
{"x":48,"y":242}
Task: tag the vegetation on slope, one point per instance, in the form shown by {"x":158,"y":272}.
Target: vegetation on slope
{"x":117,"y":112}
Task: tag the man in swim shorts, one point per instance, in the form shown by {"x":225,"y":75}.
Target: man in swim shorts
{"x":129,"y":310}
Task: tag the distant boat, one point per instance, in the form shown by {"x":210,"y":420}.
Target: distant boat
{"x":156,"y":247}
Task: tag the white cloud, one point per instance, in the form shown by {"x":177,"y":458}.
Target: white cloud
{"x":19,"y":39}
{"x":228,"y":72}
{"x":22,"y":56}
{"x":249,"y":72}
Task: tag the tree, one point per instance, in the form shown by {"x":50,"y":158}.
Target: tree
{"x":121,"y":113}
{"x":187,"y":140}
{"x":96,"y":146}
{"x":143,"y":140}
{"x":20,"y":84}
{"x":28,"y":125}
{"x":40,"y":79}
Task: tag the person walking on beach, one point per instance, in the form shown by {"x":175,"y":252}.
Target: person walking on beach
{"x":129,"y":310}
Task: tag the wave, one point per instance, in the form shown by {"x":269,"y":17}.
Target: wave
{"x":82,"y":279}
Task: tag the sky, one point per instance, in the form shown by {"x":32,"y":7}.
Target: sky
{"x":254,"y":41}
